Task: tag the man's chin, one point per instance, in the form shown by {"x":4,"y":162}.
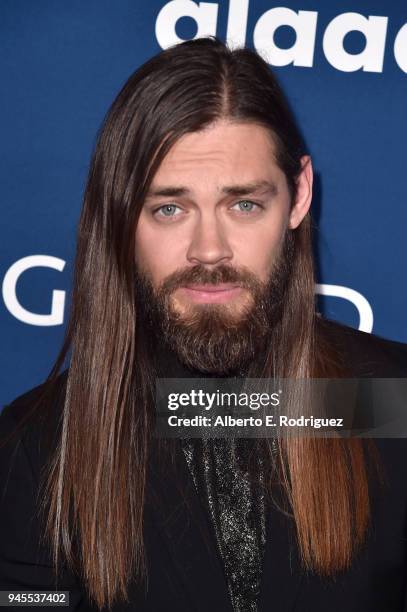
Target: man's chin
{"x":212,"y":340}
{"x":231,"y":312}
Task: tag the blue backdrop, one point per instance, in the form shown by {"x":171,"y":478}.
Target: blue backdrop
{"x":343,"y":65}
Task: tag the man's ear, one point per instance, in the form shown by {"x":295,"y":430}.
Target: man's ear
{"x":304,"y":193}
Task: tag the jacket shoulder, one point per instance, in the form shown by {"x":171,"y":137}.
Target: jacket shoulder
{"x":22,"y":403}
{"x":364,"y":353}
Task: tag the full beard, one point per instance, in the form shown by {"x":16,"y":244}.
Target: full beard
{"x":216,"y":338}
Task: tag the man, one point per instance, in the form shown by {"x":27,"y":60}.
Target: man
{"x":194,"y":259}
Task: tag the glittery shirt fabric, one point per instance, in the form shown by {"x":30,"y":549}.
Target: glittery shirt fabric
{"x":236,"y":506}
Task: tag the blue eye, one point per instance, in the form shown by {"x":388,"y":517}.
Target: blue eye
{"x":168,"y":210}
{"x":246,"y":205}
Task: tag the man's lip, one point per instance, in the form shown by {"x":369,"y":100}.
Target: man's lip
{"x":212,"y":288}
{"x":212,"y":294}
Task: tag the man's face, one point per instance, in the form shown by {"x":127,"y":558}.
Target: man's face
{"x":215,"y":219}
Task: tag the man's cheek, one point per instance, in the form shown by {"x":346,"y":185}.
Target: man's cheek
{"x":266,"y":268}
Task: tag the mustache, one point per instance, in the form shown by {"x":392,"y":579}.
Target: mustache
{"x":199,"y":274}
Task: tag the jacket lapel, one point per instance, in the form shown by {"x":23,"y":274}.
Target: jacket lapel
{"x":185,"y":530}
{"x":282,"y":572}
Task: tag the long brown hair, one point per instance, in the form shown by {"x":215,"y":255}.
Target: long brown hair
{"x":95,"y":487}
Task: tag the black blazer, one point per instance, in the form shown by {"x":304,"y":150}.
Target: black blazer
{"x":185,"y":571}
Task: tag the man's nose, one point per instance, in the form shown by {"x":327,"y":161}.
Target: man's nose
{"x":209,"y":244}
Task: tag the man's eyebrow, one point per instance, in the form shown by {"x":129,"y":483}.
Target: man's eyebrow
{"x":249,"y":188}
{"x":234,"y":190}
{"x":171,"y":191}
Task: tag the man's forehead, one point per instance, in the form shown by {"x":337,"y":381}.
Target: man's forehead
{"x":226,"y":146}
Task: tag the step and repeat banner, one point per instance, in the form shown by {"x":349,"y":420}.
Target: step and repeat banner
{"x":343,"y":66}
